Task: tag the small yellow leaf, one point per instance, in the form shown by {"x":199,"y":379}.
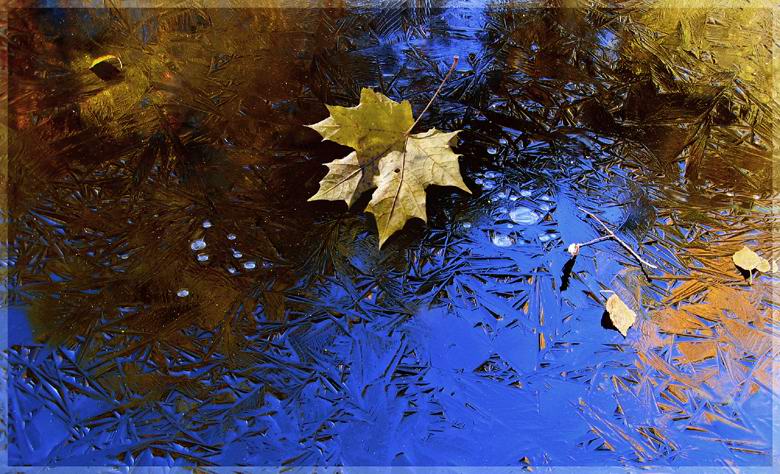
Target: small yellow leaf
{"x":749,"y":260}
{"x":622,"y":316}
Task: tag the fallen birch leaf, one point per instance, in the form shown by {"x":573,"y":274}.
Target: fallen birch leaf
{"x":621,"y":316}
{"x":749,"y":260}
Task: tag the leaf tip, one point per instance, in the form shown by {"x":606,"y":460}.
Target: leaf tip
{"x":382,"y":240}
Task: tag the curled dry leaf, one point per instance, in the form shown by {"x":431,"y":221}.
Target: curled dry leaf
{"x":106,"y":67}
{"x":399,"y":164}
{"x":749,"y":260}
{"x":620,"y":314}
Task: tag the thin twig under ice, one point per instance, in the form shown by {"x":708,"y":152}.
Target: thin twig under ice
{"x":574,"y":248}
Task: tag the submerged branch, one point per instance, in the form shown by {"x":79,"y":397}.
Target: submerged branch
{"x":574,"y":248}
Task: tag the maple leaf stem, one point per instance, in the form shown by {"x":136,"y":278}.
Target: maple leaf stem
{"x":436,"y":94}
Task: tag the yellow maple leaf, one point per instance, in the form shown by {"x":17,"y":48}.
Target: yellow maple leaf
{"x":387,"y":156}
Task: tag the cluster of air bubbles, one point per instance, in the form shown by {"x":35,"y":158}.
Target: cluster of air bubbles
{"x":200,"y":244}
{"x":524,"y":216}
{"x":502,"y":240}
{"x":487,"y":180}
{"x":516,"y":216}
{"x":547,"y":237}
{"x":487,"y":184}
